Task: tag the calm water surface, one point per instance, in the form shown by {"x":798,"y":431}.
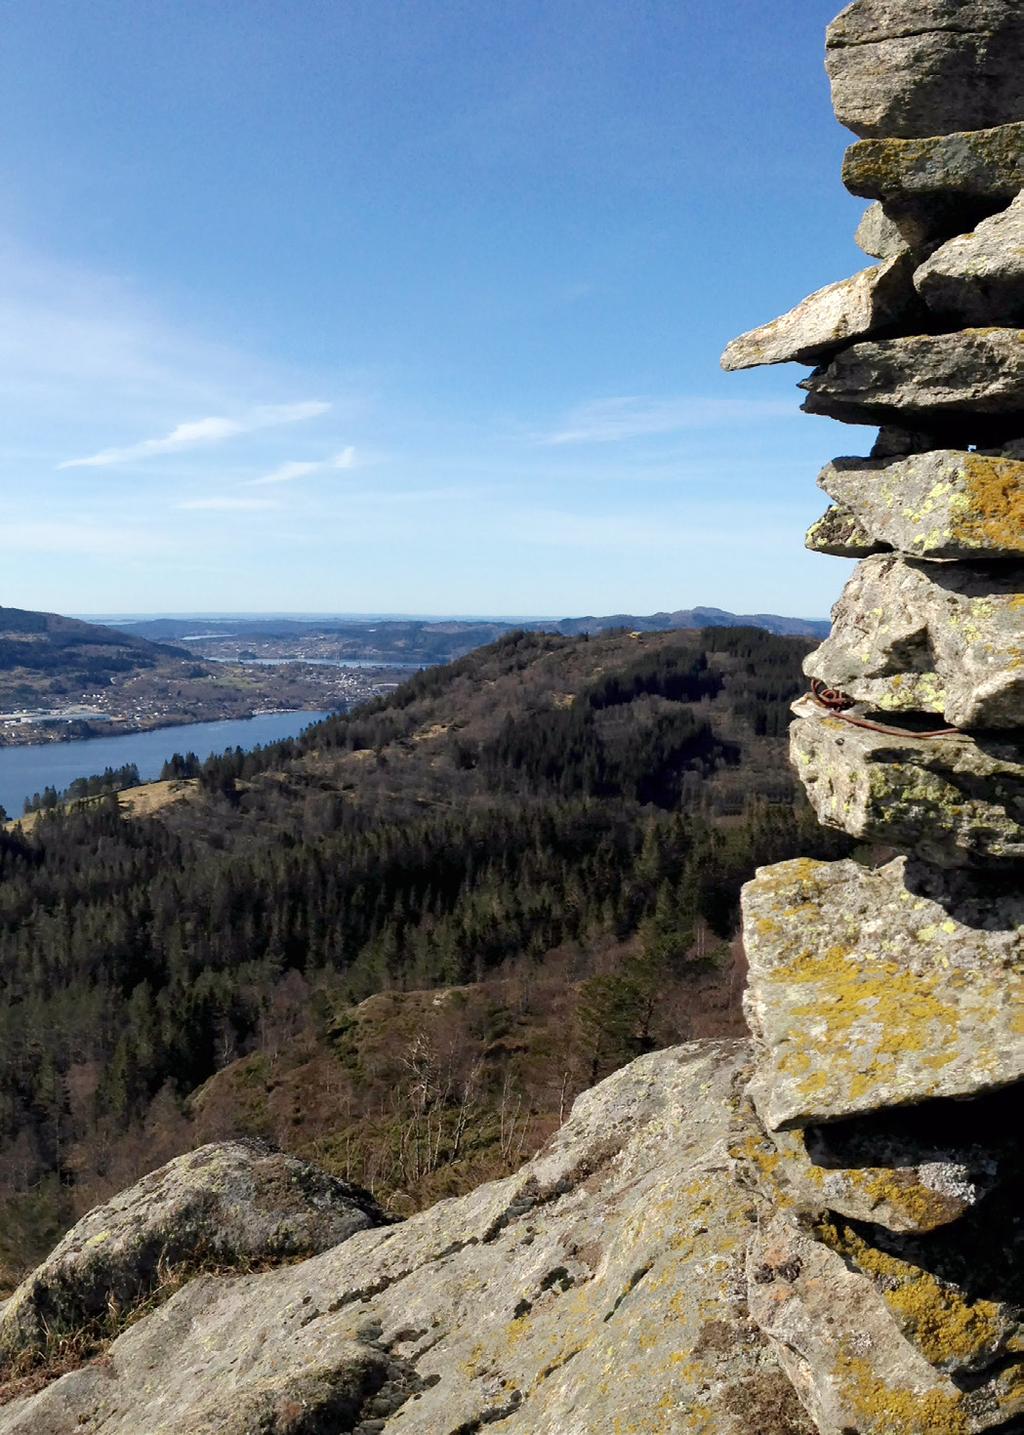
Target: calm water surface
{"x":25,"y":770}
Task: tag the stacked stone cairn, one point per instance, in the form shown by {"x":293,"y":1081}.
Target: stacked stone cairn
{"x":886,"y":992}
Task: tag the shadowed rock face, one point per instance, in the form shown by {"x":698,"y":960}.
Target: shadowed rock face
{"x":233,"y":1203}
{"x":918,"y":637}
{"x":978,"y":278}
{"x":878,"y":235}
{"x":599,"y":1290}
{"x":915,"y":68}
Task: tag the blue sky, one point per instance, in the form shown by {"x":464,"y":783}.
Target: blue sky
{"x":411,"y":305}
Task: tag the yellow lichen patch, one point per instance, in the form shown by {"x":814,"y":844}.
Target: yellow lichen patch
{"x":950,"y":1331}
{"x":871,"y":1015}
{"x":882,"y":1409}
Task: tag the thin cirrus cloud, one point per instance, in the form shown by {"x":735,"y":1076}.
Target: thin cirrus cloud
{"x":289,"y":472}
{"x":617,"y":419}
{"x":228,"y":505}
{"x":202,"y":431}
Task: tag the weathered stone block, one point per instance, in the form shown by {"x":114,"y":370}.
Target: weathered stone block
{"x":956,"y":801}
{"x":943,"y":504}
{"x":924,"y":67}
{"x":595,"y":1290}
{"x":871,"y":302}
{"x":941,"y":638}
{"x":878,"y":235}
{"x":978,"y":278}
{"x":866,"y":991}
{"x":923,"y":379}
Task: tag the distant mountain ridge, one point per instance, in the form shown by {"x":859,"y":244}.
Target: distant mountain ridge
{"x":434,"y":640}
{"x":700,"y":618}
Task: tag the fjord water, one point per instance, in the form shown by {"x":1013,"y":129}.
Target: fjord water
{"x":26,"y":770}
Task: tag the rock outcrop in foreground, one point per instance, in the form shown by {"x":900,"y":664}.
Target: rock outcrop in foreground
{"x":821,"y":1230}
{"x":601,"y":1289}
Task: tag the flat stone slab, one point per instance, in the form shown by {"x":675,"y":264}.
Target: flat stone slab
{"x":867,"y":994}
{"x":943,"y":504}
{"x":978,"y":278}
{"x":924,"y":67}
{"x":855,"y":1369}
{"x":957,"y":801}
{"x":924,"y":378}
{"x":872,"y":301}
{"x":910,"y":636}
{"x":976,"y":165}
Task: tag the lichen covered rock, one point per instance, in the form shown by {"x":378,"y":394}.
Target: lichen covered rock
{"x":868,"y":992}
{"x":924,"y":67}
{"x":853,"y":1365}
{"x":839,"y":532}
{"x":957,"y":801}
{"x":978,"y":278}
{"x":940,"y":504}
{"x":232,"y":1203}
{"x":981,"y":166}
{"x":925,"y":378}
{"x":912,"y":636}
{"x":872,"y":301}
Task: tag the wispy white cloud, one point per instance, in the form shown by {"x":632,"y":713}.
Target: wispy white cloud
{"x":202,"y":431}
{"x":81,"y":539}
{"x":616,"y":419}
{"x":288,"y":472}
{"x":228,"y":505}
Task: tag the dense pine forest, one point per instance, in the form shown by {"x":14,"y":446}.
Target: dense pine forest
{"x":403,"y":942}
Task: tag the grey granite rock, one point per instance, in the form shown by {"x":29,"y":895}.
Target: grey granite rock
{"x":873,"y":301}
{"x":599,"y":1290}
{"x":937,"y":505}
{"x":955,"y":801}
{"x":867,"y":990}
{"x":231,"y":1203}
{"x":878,"y":235}
{"x":924,"y":379}
{"x":911,"y":636}
{"x":925,"y":67}
{"x":978,"y":278}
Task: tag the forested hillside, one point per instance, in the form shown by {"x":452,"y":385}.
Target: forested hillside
{"x":403,"y":942}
